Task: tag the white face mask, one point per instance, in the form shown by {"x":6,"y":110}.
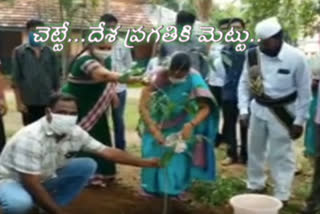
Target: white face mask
{"x":177,"y":80}
{"x":62,"y":124}
{"x":102,"y":54}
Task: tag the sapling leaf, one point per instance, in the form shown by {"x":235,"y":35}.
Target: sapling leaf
{"x":167,"y":157}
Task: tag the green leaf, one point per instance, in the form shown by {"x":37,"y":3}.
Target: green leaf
{"x":218,"y":193}
{"x":124,"y":78}
{"x":167,"y":157}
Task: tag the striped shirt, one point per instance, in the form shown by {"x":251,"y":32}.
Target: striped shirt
{"x":35,"y":150}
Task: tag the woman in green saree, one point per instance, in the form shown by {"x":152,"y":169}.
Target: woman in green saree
{"x":93,"y":83}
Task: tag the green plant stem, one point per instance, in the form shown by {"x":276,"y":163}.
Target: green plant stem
{"x":165,"y":200}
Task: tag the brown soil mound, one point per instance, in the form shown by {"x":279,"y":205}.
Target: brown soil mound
{"x":121,"y":200}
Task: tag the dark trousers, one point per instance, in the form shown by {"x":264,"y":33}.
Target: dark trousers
{"x":2,"y":134}
{"x":230,"y":119}
{"x":313,"y":202}
{"x":118,"y":121}
{"x":34,"y":113}
{"x":216,"y":91}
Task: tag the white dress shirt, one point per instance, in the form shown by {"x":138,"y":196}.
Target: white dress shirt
{"x":215,"y":50}
{"x":217,"y":77}
{"x":121,"y":62}
{"x":279,"y":84}
{"x":152,"y":65}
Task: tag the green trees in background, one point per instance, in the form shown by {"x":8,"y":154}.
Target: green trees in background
{"x":298,"y":17}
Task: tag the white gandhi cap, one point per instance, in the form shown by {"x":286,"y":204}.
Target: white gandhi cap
{"x":268,"y":28}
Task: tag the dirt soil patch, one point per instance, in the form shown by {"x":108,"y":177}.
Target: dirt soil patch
{"x":119,"y":199}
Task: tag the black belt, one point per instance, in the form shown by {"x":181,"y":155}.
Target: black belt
{"x":270,"y":102}
{"x":278,"y":108}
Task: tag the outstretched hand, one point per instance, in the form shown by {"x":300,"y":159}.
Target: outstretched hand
{"x":152,"y":163}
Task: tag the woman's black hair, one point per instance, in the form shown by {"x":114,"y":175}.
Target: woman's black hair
{"x":180,"y":61}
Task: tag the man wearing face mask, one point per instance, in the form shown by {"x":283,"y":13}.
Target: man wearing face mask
{"x":228,"y":71}
{"x":277,"y":77}
{"x":35,"y":75}
{"x":37,"y":167}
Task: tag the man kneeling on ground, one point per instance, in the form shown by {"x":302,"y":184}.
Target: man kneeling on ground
{"x":36,"y":165}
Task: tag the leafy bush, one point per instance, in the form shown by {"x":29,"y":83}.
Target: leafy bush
{"x":217,"y":193}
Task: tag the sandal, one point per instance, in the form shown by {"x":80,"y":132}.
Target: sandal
{"x":183,"y":197}
{"x":143,"y":194}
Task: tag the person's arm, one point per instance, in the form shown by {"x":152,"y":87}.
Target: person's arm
{"x":3,"y":103}
{"x":202,"y":114}
{"x":101,"y":74}
{"x":303,"y":83}
{"x":122,"y":157}
{"x":144,"y":108}
{"x":145,"y":114}
{"x":56,"y":72}
{"x":16,"y":75}
{"x":33,"y":185}
{"x":91,"y":145}
{"x":244,"y":95}
{"x":243,"y":91}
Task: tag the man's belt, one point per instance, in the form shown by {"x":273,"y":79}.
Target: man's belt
{"x":270,"y":102}
{"x":278,"y":107}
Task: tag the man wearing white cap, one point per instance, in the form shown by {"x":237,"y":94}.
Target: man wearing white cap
{"x":277,"y":78}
